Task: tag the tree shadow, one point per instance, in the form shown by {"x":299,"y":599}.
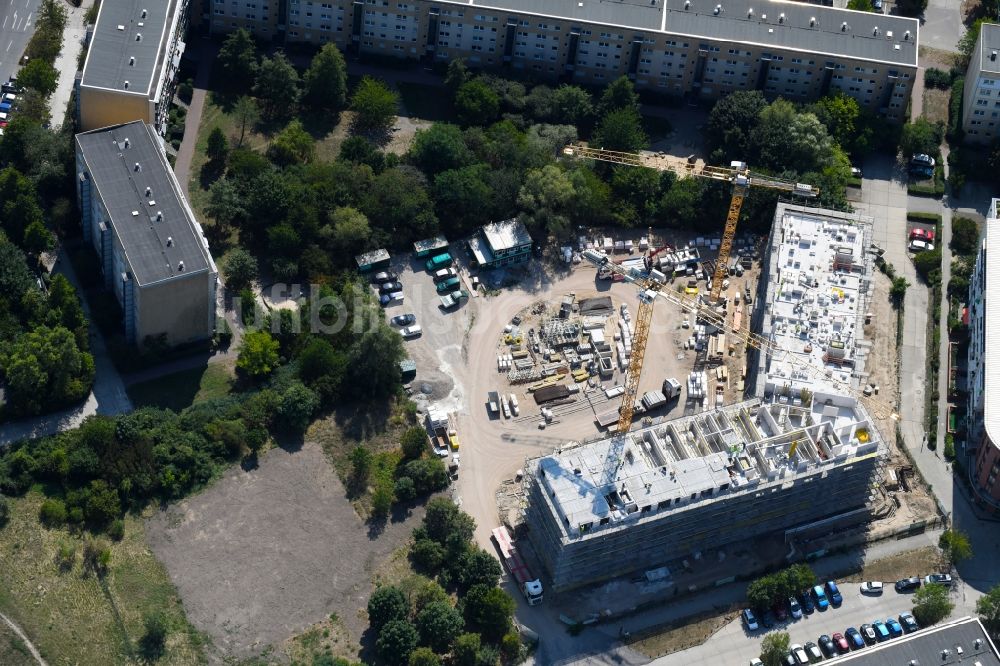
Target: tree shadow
{"x":376,"y":527}
{"x":210,"y":172}
{"x":319,"y":123}
{"x":290,"y":442}
{"x":250,"y":462}
{"x":377,"y":136}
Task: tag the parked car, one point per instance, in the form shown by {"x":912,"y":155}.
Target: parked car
{"x":767,"y":619}
{"x":404,"y":319}
{"x":909,"y":622}
{"x":921,"y":171}
{"x":411,"y":331}
{"x":917,"y":245}
{"x":807,"y":603}
{"x":873,"y":587}
{"x":840,"y":642}
{"x":780,"y":612}
{"x":750,"y":620}
{"x":881,"y":631}
{"x":854,"y":638}
{"x":444,"y":274}
{"x":878,"y":6}
{"x":922,"y":234}
{"x":922,"y":159}
{"x":940,"y":579}
{"x":856,"y":172}
{"x":794,"y":608}
{"x":790,"y":660}
{"x":822,"y":603}
{"x":868,"y":634}
{"x":894,"y":627}
{"x":9,"y":98}
{"x":389,"y":287}
{"x":812,"y":651}
{"x":5,"y":107}
{"x":801,"y":658}
{"x":384,"y":276}
{"x":754,"y":661}
{"x":387,"y":299}
{"x":835,"y":597}
{"x":907,"y":584}
{"x":827,"y":645}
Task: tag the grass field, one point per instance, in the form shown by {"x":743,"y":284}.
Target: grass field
{"x":73,"y":617}
{"x":13,"y":651}
{"x":660,"y":641}
{"x":184,"y":388}
{"x":936,"y":105}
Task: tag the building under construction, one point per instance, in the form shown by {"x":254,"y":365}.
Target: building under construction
{"x":612,"y":507}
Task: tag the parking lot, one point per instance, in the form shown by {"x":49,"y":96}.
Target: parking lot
{"x":733,"y":644}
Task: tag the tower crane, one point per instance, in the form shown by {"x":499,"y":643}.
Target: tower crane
{"x":737,"y":174}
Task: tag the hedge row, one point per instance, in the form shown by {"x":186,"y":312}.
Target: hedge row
{"x":915,"y":216}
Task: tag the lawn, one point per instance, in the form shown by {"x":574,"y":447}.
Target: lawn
{"x":184,"y":388}
{"x":76,"y":618}
{"x":13,"y":651}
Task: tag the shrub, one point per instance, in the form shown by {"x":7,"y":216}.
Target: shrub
{"x":117,"y":530}
{"x":917,"y":216}
{"x":52,"y":513}
{"x":937,"y":78}
{"x":428,"y":555}
{"x":414,"y":442}
{"x":466,"y":649}
{"x":931,"y":604}
{"x":185,"y":91}
{"x":955,"y":132}
{"x":4,"y":512}
{"x":387,"y":604}
{"x":396,"y":641}
{"x":949,"y":447}
{"x":510,"y":647}
{"x":154,"y":640}
{"x":404,"y":490}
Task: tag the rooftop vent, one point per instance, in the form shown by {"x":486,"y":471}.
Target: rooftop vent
{"x":844,"y":27}
{"x":170,"y":241}
{"x":812,"y":21}
{"x":135,"y":213}
{"x":750,"y":13}
{"x":138,"y":167}
{"x":781,"y":17}
{"x":875,"y":31}
{"x":126,"y":142}
{"x":906,"y":36}
{"x":993,"y":55}
{"x":180,"y":266}
{"x":149,"y":190}
{"x":140,"y":24}
{"x":159,"y":216}
{"x":978,"y":643}
{"x":914,"y":662}
{"x":138,"y":36}
{"x":126,"y":85}
{"x":144,"y":12}
{"x":959,"y":651}
{"x":131,"y":61}
{"x":888,"y":34}
{"x":718,"y":10}
{"x":687,"y":4}
{"x":121,"y":27}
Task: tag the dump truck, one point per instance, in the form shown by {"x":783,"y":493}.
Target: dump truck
{"x":493,"y":399}
{"x":530,"y":586}
{"x":653,"y":399}
{"x":671,"y":388}
{"x":439,"y":431}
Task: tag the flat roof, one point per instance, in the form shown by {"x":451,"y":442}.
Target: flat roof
{"x":937,"y":645}
{"x":430,"y":244}
{"x":819,"y":283}
{"x":748,"y":444}
{"x":989,"y":47}
{"x":506,"y":235}
{"x":114,"y":43}
{"x":808,"y":28}
{"x":373,"y":257}
{"x":991,"y":314}
{"x":157,"y":231}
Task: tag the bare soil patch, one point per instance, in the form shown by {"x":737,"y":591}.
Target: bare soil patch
{"x":268,"y":553}
{"x":901,"y":565}
{"x":936,"y":104}
{"x":658,"y":642}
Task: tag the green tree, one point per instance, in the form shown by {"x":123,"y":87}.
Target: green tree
{"x":571,"y":105}
{"x":246,"y":114}
{"x":225,"y":206}
{"x":424,"y":657}
{"x":361,"y":465}
{"x":156,"y":628}
{"x":988,"y":608}
{"x":476,"y":103}
{"x":773,"y":648}
{"x":387,"y":604}
{"x":921,"y":136}
{"x":298,"y":404}
{"x":461,"y":198}
{"x":413,"y":442}
{"x":277,"y":86}
{"x":396,"y":640}
{"x":489,"y":609}
{"x":860,"y":5}
{"x":240,"y":269}
{"x":510,"y":647}
{"x":428,"y":554}
{"x":927,"y":262}
{"x":217,"y":148}
{"x":322,"y":368}
{"x":439,"y":148}
{"x":787,"y":139}
{"x":620,"y":129}
{"x":545,"y":200}
{"x":898,"y":290}
{"x":374,"y":105}
{"x":619,"y":94}
{"x":839,"y":113}
{"x":38,"y":239}
{"x":439,"y":625}
{"x":351,"y":231}
{"x":38,"y":75}
{"x":731,"y":122}
{"x":426,"y":593}
{"x":800,"y":577}
{"x":46,"y":364}
{"x":457,"y":74}
{"x":360,"y":150}
{"x":237,"y":61}
{"x":399,"y":205}
{"x":292,"y":145}
{"x":477,"y":567}
{"x":428,"y":474}
{"x":964,"y":235}
{"x":375,"y":357}
{"x":931,"y":604}
{"x":102,"y":504}
{"x":764,"y":591}
{"x":326,"y":79}
{"x":955,"y":546}
{"x":682,"y":204}
{"x":911,"y":7}
{"x":445,"y":523}
{"x":465,"y":649}
{"x":52,"y":513}
{"x":258,"y":354}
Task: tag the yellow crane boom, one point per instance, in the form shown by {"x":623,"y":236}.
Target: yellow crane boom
{"x":702,"y":312}
{"x":738,"y":174}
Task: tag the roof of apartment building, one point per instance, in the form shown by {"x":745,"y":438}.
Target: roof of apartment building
{"x":962,"y":641}
{"x":610,"y":483}
{"x":128,"y":29}
{"x":819,"y":279}
{"x":991,"y":324}
{"x":157,"y":230}
{"x":776,"y":24}
{"x":989,"y":47}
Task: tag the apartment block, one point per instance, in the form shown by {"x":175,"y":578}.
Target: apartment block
{"x":153,"y":253}
{"x":695,"y":48}
{"x":984,"y":367}
{"x":686,"y":486}
{"x":981,"y":102}
{"x":814,"y":289}
{"x":131,"y":67}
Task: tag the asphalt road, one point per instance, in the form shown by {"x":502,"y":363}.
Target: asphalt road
{"x":733,"y":645}
{"x":17,"y":20}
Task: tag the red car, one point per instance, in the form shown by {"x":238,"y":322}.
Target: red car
{"x":922,"y":234}
{"x":841,"y":643}
{"x":780,"y":612}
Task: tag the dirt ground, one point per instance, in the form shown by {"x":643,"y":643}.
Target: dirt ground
{"x":661,"y":641}
{"x":936,"y":105}
{"x":900,"y":566}
{"x":265,"y":554}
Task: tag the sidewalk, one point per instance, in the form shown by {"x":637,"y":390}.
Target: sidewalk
{"x":73,"y":38}
{"x":192,"y":123}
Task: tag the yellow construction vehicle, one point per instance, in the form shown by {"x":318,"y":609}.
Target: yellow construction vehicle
{"x":738,"y":174}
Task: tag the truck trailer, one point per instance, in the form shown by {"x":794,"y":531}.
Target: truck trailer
{"x":530,"y":586}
